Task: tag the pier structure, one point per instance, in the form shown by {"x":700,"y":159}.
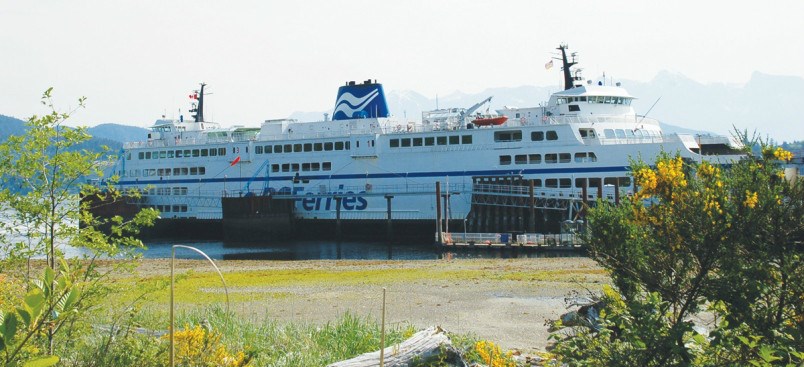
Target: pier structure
{"x":508,"y":210}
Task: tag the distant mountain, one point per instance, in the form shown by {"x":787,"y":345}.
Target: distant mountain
{"x":10,"y":126}
{"x":117,"y":132}
{"x":768,"y":104}
{"x":110,"y":135}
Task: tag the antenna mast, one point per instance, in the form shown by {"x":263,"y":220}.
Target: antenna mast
{"x":199,"y":111}
{"x":566,"y":64}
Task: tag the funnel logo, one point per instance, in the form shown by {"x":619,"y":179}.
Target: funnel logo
{"x":357,"y":101}
{"x":348,"y":104}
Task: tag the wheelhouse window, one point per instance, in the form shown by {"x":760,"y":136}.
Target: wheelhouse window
{"x":393,"y":143}
{"x":585,"y":157}
{"x":537,"y":136}
{"x":507,"y":136}
{"x":552,"y":135}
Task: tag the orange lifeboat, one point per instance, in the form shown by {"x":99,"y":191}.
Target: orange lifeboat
{"x":490,"y":120}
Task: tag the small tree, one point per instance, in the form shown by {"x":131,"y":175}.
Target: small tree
{"x":42,"y":210}
{"x":699,"y":237}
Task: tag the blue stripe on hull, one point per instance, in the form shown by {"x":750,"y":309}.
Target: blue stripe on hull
{"x":385,"y":175}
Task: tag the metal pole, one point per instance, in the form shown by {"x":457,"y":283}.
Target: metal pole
{"x":172,"y":281}
{"x":382,"y":332}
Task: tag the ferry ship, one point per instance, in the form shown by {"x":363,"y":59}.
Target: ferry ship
{"x":584,"y":135}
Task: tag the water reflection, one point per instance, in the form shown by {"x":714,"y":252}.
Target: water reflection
{"x":332,"y":250}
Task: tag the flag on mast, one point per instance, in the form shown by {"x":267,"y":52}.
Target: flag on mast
{"x":548,"y":65}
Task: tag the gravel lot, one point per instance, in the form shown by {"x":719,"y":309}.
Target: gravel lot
{"x":505,"y":304}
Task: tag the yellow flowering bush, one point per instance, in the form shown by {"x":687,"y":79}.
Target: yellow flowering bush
{"x":663,"y":182}
{"x":198,"y":346}
{"x":751,"y":199}
{"x":698,"y":234}
{"x":646,"y":179}
{"x":782,"y":154}
{"x":492,"y":355}
{"x":777,"y":153}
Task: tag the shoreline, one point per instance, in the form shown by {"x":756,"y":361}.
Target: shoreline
{"x":503,"y":300}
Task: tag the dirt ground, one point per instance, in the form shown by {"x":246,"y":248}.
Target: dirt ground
{"x":508,"y":304}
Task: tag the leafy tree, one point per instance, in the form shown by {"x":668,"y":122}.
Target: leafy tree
{"x":696,"y":238}
{"x":41,"y":216}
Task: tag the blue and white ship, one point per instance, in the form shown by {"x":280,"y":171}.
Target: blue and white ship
{"x":584,"y":135}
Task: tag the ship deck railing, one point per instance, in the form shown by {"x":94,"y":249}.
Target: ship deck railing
{"x":531,"y":240}
{"x":388,"y":127}
{"x":597,"y":119}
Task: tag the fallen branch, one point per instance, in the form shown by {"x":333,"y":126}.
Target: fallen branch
{"x":428,"y":345}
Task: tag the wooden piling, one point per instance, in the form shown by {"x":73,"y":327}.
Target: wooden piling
{"x":439,"y":238}
{"x":338,"y":217}
{"x":389,"y":230}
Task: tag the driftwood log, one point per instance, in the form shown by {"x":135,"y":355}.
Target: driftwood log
{"x":428,"y":345}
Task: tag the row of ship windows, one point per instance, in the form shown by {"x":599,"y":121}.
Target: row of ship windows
{"x":169,"y":208}
{"x":165,"y":191}
{"x":177,"y":171}
{"x":430,"y":141}
{"x":185,"y":153}
{"x":516,"y":135}
{"x":305,"y":147}
{"x":548,"y":158}
{"x":596,"y":99}
{"x":303,"y":167}
{"x":566,"y":183}
{"x":630,"y":134}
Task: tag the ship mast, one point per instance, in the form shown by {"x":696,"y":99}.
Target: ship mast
{"x":199,"y":111}
{"x":566,"y":64}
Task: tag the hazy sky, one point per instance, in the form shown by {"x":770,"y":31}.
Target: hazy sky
{"x":136,"y":60}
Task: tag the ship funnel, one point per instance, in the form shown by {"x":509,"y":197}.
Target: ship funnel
{"x":355,"y":101}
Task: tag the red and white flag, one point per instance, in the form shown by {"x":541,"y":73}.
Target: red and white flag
{"x":235,"y":161}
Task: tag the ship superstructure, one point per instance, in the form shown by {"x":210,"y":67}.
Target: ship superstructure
{"x":584,"y":135}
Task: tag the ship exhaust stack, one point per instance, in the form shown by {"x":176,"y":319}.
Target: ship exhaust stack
{"x":355,"y":101}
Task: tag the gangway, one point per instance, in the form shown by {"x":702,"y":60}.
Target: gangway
{"x":247,"y":187}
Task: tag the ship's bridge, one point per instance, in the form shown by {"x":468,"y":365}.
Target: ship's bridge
{"x":592,"y":99}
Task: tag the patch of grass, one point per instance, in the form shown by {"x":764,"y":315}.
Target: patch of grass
{"x":196,"y":287}
{"x":271,"y":343}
